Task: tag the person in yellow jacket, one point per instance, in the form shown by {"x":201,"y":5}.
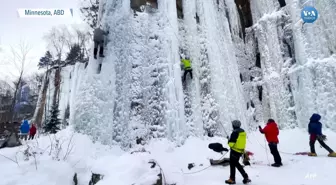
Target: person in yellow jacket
{"x":237,"y":143}
{"x":187,"y":68}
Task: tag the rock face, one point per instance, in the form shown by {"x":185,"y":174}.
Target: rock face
{"x":179,"y":9}
{"x":95,"y":178}
{"x":159,"y":180}
{"x":11,"y":140}
{"x":136,"y":4}
{"x":245,"y":15}
{"x":75,"y":180}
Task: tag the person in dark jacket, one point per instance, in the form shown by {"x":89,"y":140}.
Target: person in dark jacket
{"x":271,"y":132}
{"x":98,"y":38}
{"x":32,"y":132}
{"x":315,"y":131}
{"x":237,"y":143}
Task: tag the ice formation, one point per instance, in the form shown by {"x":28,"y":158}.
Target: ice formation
{"x":251,"y":61}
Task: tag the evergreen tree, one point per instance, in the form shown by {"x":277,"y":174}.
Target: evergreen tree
{"x":53,"y":123}
{"x":46,"y":60}
{"x":74,"y":55}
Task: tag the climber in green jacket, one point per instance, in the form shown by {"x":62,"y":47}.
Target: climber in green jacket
{"x":187,"y":68}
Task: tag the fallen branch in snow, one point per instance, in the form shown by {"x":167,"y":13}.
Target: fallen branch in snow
{"x":15,"y":161}
{"x":76,"y":163}
{"x":58,"y":148}
{"x":30,"y":152}
{"x":51,"y":144}
{"x":69,"y":150}
{"x":141,"y":150}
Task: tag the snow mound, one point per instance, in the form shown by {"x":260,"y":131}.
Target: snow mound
{"x":49,"y":166}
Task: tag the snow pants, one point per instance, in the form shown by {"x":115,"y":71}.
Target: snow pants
{"x":24,"y":136}
{"x":31,"y":136}
{"x":101,"y":48}
{"x":185,"y":74}
{"x":322,"y":143}
{"x":274,"y":151}
{"x":234,"y":163}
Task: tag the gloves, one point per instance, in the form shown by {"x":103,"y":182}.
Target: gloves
{"x":322,"y":137}
{"x":227,"y":137}
{"x":259,"y":127}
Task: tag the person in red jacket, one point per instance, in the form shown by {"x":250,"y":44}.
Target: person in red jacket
{"x":271,"y":132}
{"x":32,"y":132}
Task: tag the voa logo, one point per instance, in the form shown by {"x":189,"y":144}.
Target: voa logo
{"x":309,"y":14}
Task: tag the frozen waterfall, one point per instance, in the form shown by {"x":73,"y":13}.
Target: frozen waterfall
{"x":252,"y":60}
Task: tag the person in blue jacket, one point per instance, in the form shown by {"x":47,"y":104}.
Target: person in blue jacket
{"x":315,"y":131}
{"x":24,"y":129}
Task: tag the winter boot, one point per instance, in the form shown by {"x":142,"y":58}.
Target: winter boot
{"x":312,"y":154}
{"x":230,"y":181}
{"x":101,"y":51}
{"x":276,"y":165}
{"x":332,"y":154}
{"x":246,"y":180}
{"x":95,"y":50}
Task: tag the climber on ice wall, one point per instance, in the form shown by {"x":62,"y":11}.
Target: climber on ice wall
{"x":98,"y":39}
{"x":187,"y":67}
{"x":237,"y":143}
{"x":271,"y":132}
{"x":315,"y":131}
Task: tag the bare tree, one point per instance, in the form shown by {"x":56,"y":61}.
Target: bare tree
{"x":56,"y":39}
{"x":6,"y":96}
{"x":76,"y":36}
{"x":62,"y":39}
{"x":89,"y":9}
{"x":19,"y":59}
{"x":68,"y":36}
{"x":83,"y":38}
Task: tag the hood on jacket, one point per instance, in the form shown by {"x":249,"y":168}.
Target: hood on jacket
{"x":270,"y":121}
{"x":25,"y":122}
{"x":315,"y":117}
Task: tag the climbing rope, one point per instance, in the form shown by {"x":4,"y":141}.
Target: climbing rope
{"x":196,"y":171}
{"x":287,"y":153}
{"x":203,"y":168}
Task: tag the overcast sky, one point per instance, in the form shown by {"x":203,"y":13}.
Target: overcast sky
{"x":13,"y":28}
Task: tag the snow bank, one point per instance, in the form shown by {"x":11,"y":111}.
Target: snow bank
{"x":119,"y":167}
{"x":52,"y":160}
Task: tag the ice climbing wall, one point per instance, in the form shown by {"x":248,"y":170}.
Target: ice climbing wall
{"x":252,"y":60}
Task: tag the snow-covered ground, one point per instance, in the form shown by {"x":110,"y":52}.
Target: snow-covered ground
{"x":50,"y":167}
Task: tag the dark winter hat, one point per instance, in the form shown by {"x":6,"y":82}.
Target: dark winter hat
{"x":270,"y":121}
{"x":315,"y":117}
{"x":236,"y":123}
